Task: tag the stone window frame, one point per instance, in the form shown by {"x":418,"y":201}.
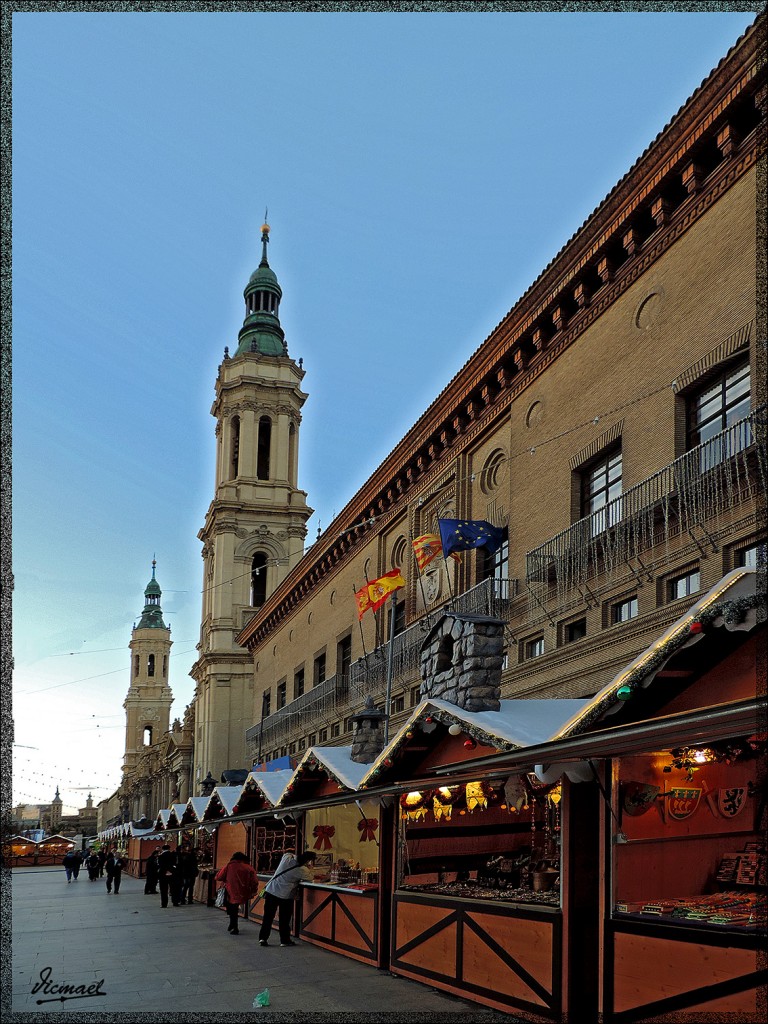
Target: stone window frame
{"x":627,"y":601}
{"x":281,"y":694}
{"x":527,"y":645}
{"x":738,"y":554}
{"x":571,"y":626}
{"x":668,"y":582}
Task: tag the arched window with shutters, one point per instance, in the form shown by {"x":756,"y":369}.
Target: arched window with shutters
{"x":264,"y":443}
{"x":235,"y":447}
{"x":151,"y":665}
{"x":258,"y":579}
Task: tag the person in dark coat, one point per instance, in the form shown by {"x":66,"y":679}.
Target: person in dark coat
{"x":168,"y":876}
{"x":93,"y":866}
{"x":68,"y":862}
{"x":188,"y":872}
{"x":151,"y":872}
{"x":114,"y":863}
{"x":240,"y":883}
{"x":102,"y":862}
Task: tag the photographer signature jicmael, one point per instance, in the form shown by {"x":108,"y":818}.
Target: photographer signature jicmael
{"x":63,"y":990}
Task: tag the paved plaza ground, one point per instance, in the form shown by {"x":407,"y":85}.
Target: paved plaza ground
{"x":180,"y":961}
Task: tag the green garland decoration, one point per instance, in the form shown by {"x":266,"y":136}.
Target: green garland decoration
{"x":732,"y":612}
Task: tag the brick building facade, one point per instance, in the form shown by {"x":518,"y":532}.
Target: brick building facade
{"x":612,"y":423}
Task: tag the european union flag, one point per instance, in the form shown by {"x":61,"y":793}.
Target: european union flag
{"x":462,"y":534}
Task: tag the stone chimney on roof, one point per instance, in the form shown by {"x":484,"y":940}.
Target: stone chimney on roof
{"x":461,"y":661}
{"x":367,"y":733}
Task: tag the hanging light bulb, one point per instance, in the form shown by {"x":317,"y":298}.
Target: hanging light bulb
{"x":455,"y":729}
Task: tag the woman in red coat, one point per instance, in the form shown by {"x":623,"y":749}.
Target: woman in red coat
{"x":241,"y":883}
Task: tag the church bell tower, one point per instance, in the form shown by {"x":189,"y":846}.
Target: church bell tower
{"x":256,"y":524}
{"x":148,"y":702}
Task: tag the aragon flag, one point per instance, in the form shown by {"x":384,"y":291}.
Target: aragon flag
{"x":374,"y":594}
{"x":426,"y":547}
{"x":363,"y":601}
{"x":461,"y":534}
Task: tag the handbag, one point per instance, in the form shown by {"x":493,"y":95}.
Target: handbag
{"x":221,"y":897}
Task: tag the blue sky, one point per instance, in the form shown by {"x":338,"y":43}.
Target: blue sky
{"x":420,"y":171}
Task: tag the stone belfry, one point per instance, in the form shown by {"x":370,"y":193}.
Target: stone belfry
{"x":149,"y":698}
{"x":256,"y":524}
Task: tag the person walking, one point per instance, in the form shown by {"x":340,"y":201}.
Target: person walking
{"x":280,"y":893}
{"x":240,"y":883}
{"x":114,"y":862}
{"x":102,"y":861}
{"x":93,"y":866}
{"x":77,"y":863}
{"x":68,"y":862}
{"x":151,"y":872}
{"x":188,"y":872}
{"x":167,"y":866}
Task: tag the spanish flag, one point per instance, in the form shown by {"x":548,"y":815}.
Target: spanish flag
{"x":427,"y":547}
{"x":374,"y":594}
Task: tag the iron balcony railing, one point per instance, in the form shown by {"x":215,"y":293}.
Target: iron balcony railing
{"x":708,"y":480}
{"x":341,"y":695}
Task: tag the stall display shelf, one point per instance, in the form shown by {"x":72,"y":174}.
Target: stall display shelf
{"x":723,"y":909}
{"x":470,"y":890}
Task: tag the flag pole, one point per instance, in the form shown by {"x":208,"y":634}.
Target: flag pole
{"x":445,"y":559}
{"x":390,"y":664}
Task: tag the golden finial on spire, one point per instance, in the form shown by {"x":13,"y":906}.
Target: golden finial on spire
{"x":265,"y":226}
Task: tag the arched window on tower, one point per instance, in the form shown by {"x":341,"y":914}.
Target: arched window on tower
{"x":165,"y":665}
{"x":265,"y":441}
{"x":136,"y":663}
{"x":292,"y":475}
{"x":151,"y":665}
{"x":147,"y":736}
{"x":258,"y":579}
{"x":235,"y":446}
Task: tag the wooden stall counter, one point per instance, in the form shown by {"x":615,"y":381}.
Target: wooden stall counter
{"x":342,"y":917}
{"x":504,"y":955}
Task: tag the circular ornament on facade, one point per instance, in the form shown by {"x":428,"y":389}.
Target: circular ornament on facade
{"x":333,"y":597}
{"x":398,"y":553}
{"x":647,"y":312}
{"x":290,"y":636}
{"x":535,"y":415}
{"x":494,"y":471}
{"x":309,"y":619}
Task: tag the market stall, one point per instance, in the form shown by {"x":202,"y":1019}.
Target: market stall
{"x":685,"y":883}
{"x":19,"y":852}
{"x":51,"y":850}
{"x":664,"y":854}
{"x":340,"y":908}
{"x":476,"y":894}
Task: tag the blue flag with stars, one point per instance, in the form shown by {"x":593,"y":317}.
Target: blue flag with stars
{"x":462,"y":534}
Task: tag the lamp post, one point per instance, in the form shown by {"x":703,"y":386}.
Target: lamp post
{"x":261,"y":723}
{"x":390,"y":663}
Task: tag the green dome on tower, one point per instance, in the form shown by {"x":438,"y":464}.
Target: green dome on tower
{"x":261,"y":331}
{"x":152,"y":616}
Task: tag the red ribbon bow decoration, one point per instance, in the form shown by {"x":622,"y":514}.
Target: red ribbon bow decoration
{"x":323,"y":834}
{"x":367,"y":828}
